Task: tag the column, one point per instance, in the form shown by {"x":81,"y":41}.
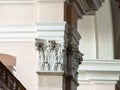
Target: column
{"x":51,"y":51}
{"x":73,"y":11}
{"x":50,"y":44}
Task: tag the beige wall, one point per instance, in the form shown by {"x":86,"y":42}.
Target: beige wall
{"x":15,"y":13}
{"x":26,"y":62}
{"x":51,"y":12}
{"x":50,"y":82}
{"x":27,"y":13}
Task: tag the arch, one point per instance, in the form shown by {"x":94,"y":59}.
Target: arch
{"x":8,"y":60}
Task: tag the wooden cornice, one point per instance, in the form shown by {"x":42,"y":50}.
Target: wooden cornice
{"x":75,"y":9}
{"x":86,"y":6}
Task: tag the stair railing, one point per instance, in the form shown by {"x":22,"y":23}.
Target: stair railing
{"x":9,"y":80}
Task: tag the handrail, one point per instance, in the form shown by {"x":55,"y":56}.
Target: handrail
{"x":9,"y":80}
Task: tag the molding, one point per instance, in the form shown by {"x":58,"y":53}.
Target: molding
{"x":51,"y":0}
{"x":100,"y":65}
{"x":86,"y":6}
{"x":51,"y":31}
{"x":51,"y":26}
{"x":96,"y":82}
{"x":27,"y":33}
{"x":99,"y":71}
{"x":50,"y":73}
{"x":17,"y":33}
{"x":95,"y":4}
{"x":81,"y":6}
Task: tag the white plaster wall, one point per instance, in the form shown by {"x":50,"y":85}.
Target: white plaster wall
{"x":97,"y":34}
{"x":85,"y":87}
{"x":86,"y":28}
{"x":104,"y":87}
{"x":104,"y":32}
{"x":100,"y":86}
{"x":26,"y":62}
{"x":15,"y":13}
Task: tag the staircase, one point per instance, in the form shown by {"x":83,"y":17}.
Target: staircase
{"x":8,"y":81}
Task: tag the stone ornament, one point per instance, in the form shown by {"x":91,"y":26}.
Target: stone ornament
{"x":50,"y":55}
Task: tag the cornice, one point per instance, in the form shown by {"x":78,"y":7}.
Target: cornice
{"x":86,"y":6}
{"x":51,"y":0}
{"x":100,"y":65}
{"x":50,"y":73}
{"x":51,"y":26}
{"x":51,"y":31}
{"x":99,"y":71}
{"x":28,"y":32}
{"x":17,"y":33}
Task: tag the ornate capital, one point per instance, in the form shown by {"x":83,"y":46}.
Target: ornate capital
{"x":50,"y":55}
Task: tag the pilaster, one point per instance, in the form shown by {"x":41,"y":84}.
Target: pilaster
{"x":50,"y":80}
{"x":50,"y":44}
{"x":47,"y":42}
{"x":72,"y":58}
{"x":74,"y":9}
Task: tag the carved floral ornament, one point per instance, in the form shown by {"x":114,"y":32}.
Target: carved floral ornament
{"x":50,"y":55}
